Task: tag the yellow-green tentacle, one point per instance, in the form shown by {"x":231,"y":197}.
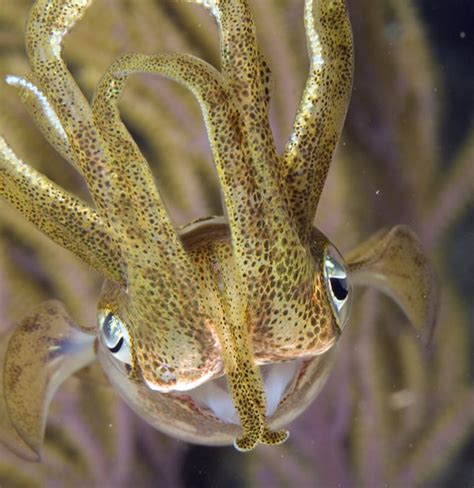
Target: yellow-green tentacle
{"x":62,"y":217}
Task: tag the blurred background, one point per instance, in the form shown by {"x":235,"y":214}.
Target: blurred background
{"x":392,"y":413}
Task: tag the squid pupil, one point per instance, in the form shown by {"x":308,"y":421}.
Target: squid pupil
{"x":339,"y":288}
{"x":117,"y":346}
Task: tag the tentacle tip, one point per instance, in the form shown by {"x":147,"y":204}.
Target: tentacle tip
{"x":11,"y":79}
{"x":274,"y":438}
{"x":245,"y":443}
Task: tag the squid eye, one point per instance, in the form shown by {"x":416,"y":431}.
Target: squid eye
{"x":115,"y":337}
{"x":337,"y":284}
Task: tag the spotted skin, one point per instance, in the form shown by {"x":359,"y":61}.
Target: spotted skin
{"x":250,"y":289}
{"x":269,"y":302}
{"x":64,"y":218}
{"x":322,"y":110}
{"x":248,"y":75}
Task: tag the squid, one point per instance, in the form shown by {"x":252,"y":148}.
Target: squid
{"x":224,"y":330}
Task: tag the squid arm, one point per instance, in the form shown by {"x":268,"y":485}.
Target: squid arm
{"x":318,"y":123}
{"x":245,"y":69}
{"x":64,"y":218}
{"x":43,"y":114}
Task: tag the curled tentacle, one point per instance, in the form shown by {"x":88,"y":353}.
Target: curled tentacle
{"x":253,"y":221}
{"x":140,"y":215}
{"x":48,"y":23}
{"x":163,"y":299}
{"x":322,"y":110}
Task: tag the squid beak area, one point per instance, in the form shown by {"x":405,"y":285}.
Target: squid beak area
{"x":244,"y":407}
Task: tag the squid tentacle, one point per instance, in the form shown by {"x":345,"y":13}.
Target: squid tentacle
{"x":241,"y":60}
{"x":160,"y":275}
{"x":250,"y":220}
{"x":248,"y":75}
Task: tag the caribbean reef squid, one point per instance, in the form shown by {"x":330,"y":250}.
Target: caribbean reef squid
{"x":224,"y":330}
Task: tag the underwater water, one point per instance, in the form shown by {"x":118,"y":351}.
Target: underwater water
{"x":393,"y":412}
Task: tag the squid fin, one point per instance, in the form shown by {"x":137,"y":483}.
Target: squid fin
{"x":93,"y":375}
{"x":394,"y":262}
{"x":44,"y":349}
{"x":8,"y":435}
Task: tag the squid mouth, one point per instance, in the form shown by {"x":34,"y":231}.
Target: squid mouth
{"x":206,"y":414}
{"x":214,"y":396}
